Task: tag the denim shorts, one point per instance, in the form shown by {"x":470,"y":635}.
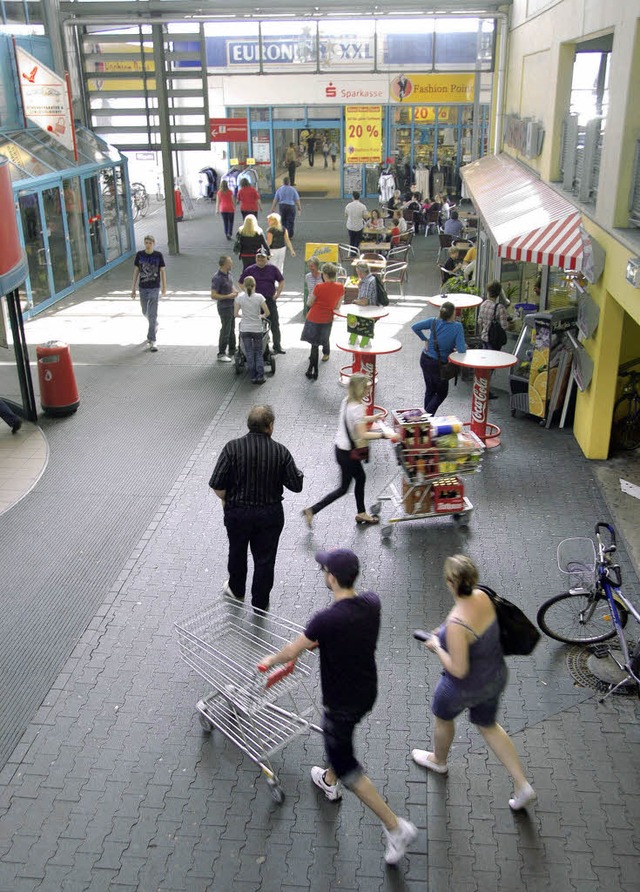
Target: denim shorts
{"x":450,"y":699}
{"x":338,"y":728}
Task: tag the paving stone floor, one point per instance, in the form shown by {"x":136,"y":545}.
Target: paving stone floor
{"x":108,"y":780}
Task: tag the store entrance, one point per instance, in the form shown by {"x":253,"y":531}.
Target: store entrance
{"x":316,"y":174}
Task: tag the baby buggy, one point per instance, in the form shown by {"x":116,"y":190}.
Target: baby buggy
{"x":240,"y":358}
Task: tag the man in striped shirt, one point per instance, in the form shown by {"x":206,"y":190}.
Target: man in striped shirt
{"x":248,"y":478}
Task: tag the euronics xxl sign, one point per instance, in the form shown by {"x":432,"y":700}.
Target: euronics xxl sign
{"x":287,"y":50}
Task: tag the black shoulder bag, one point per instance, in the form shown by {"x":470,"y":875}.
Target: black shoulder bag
{"x":518,"y":635}
{"x":358,"y":453}
{"x":447,"y":369}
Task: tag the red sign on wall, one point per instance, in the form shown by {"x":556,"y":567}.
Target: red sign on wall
{"x":228,"y":129}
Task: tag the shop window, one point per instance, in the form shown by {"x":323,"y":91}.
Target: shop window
{"x":257,"y":114}
{"x":289,"y":113}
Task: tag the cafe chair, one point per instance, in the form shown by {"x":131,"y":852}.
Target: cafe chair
{"x":445,"y":243}
{"x":347,"y":253}
{"x":341,"y":275}
{"x":406,"y":239}
{"x":395,"y":274}
{"x":400,"y":254}
{"x":372,"y":255}
{"x":430,"y":219}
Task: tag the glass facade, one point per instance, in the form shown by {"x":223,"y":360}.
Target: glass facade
{"x":74,"y":217}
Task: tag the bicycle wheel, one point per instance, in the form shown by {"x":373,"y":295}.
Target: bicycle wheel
{"x":626,"y":430}
{"x":144,"y":205}
{"x":561,"y":617}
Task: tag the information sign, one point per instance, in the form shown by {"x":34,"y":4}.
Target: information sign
{"x":363,"y":134}
{"x":45,"y":99}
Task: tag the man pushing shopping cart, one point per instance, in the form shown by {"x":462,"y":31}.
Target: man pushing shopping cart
{"x":346,"y":634}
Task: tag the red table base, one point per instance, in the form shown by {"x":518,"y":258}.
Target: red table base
{"x":364,"y":364}
{"x":489,"y":433}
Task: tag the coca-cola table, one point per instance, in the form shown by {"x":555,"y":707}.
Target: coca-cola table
{"x":365,"y":359}
{"x":483,"y":362}
{"x":371,"y":311}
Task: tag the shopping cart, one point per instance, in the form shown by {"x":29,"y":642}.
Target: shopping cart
{"x":224,"y":643}
{"x":429,"y":483}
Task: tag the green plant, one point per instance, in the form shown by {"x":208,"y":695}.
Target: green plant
{"x":459,"y":285}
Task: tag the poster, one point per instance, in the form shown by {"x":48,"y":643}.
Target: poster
{"x":363,"y":134}
{"x":437,"y":89}
{"x":45,"y":99}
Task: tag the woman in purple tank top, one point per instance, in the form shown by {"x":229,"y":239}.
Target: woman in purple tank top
{"x":474,"y":677}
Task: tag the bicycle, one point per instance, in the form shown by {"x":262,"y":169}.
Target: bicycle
{"x":625,"y":432}
{"x":139,"y":201}
{"x":596,"y":609}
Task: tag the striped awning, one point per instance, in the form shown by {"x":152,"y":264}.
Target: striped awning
{"x":525,"y":218}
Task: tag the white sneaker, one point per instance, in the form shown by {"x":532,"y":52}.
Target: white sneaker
{"x":333,"y":793}
{"x":153,"y":347}
{"x":399,"y":840}
{"x":522,"y":798}
{"x":222,"y":357}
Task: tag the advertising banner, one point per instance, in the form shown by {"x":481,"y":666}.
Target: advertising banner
{"x":45,"y":99}
{"x":426,"y":114}
{"x":363,"y":134}
{"x":228,"y":129}
{"x":442,"y":89}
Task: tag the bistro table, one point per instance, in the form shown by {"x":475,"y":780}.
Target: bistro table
{"x":460,"y":302}
{"x":483,"y":362}
{"x":378,"y":247}
{"x":375,"y":266}
{"x":365,"y":360}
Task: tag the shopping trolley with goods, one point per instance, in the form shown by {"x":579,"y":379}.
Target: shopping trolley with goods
{"x":259,"y":713}
{"x":433,"y":454}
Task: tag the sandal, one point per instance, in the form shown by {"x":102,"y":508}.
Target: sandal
{"x":367,"y":519}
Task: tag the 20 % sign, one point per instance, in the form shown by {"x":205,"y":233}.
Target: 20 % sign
{"x":363,"y":128}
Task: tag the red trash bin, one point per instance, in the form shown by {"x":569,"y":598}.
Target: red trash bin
{"x":58,"y":388}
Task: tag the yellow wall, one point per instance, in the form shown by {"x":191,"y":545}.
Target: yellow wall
{"x":612,"y":343}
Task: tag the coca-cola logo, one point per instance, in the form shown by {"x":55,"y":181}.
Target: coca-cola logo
{"x":479,"y":398}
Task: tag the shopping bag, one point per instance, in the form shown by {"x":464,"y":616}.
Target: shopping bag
{"x":518,"y":635}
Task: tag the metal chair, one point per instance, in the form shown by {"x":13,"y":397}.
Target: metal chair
{"x":347,"y":253}
{"x":406,"y":239}
{"x":398,"y":254}
{"x":372,"y":255}
{"x":395,"y":274}
{"x":341,"y":275}
{"x":431,"y":220}
{"x":445,"y":243}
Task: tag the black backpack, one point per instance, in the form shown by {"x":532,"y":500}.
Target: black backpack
{"x":382,"y":298}
{"x":496,"y":336}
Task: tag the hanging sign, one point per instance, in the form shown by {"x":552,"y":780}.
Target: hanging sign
{"x":433,"y":88}
{"x":363,"y":136}
{"x":46,"y":99}
{"x":228,"y":129}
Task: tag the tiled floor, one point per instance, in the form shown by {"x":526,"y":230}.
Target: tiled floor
{"x":23,"y":458}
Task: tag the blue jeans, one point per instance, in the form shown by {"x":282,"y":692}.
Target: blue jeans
{"x":252,"y":343}
{"x":149,"y":303}
{"x":257,"y":528}
{"x":227,"y":331}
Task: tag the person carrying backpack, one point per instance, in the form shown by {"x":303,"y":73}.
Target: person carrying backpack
{"x":493,"y":321}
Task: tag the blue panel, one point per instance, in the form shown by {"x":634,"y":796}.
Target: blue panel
{"x":407,"y":49}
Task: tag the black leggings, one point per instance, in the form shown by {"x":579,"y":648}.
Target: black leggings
{"x":350,"y":470}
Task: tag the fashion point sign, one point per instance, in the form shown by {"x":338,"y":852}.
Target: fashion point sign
{"x":433,"y":88}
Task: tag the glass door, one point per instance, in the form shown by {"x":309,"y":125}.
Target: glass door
{"x":96,"y":227}
{"x":35,"y":249}
{"x":56,"y":238}
{"x":75,"y":208}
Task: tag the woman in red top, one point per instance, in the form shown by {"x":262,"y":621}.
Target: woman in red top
{"x":326,"y":297}
{"x":226,"y":206}
{"x":248,"y":199}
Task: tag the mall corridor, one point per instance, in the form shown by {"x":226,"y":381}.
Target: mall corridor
{"x":106,"y":779}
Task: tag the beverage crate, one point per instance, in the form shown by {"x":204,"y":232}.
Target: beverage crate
{"x":448,"y":494}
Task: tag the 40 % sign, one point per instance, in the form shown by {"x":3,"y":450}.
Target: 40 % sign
{"x":356,"y":131}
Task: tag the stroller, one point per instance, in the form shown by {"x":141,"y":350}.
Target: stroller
{"x":240,"y":358}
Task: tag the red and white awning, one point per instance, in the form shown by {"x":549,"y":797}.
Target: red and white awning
{"x":526,"y":218}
